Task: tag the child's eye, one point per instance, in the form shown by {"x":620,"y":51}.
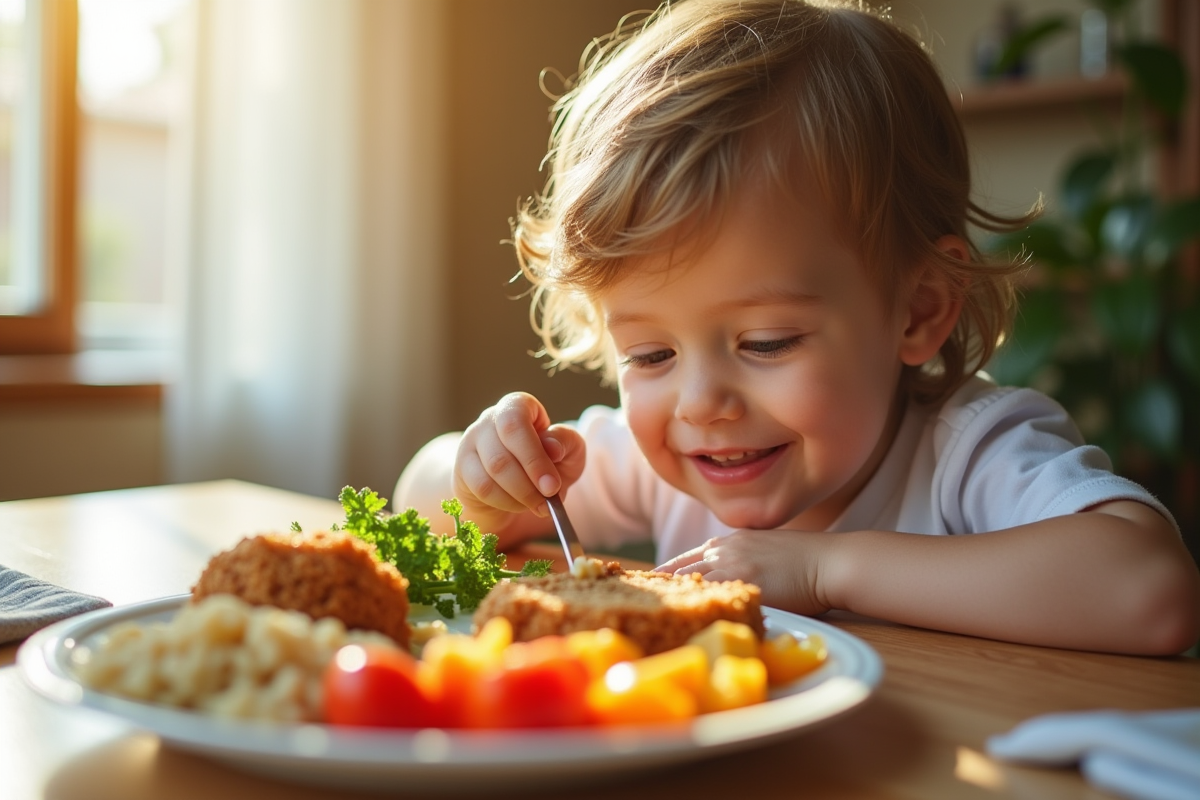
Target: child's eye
{"x":647,"y":359}
{"x":772,"y":348}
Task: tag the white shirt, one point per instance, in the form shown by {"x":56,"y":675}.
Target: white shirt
{"x":989,"y":458}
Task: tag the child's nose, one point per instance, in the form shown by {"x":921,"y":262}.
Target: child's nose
{"x":706,"y":395}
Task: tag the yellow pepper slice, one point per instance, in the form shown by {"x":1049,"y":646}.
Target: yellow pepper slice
{"x":452,"y":664}
{"x":724,"y":637}
{"x":600,"y":649}
{"x":787,"y":658}
{"x":623,"y":697}
{"x":685,"y":667}
{"x":735,"y":682}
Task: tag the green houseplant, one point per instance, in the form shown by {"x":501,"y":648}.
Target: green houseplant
{"x":1110,"y":318}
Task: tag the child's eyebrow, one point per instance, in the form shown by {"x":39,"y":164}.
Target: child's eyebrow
{"x":772,"y":296}
{"x":767,"y":296}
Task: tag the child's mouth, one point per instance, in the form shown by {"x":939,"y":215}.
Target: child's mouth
{"x":733,"y":467}
{"x":730,"y":460}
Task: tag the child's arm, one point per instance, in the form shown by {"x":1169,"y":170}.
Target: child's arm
{"x":1114,"y":578}
{"x":502,"y":468}
{"x":427,"y":480}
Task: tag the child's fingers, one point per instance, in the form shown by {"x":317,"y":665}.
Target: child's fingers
{"x":554,"y":448}
{"x":694,"y":556}
{"x":566,"y":448}
{"x":507,"y":459}
{"x":520,"y":439}
{"x":472,"y":482}
{"x":704,"y":568}
{"x":504,"y":474}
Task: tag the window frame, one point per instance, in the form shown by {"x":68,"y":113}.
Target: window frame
{"x":52,"y":328}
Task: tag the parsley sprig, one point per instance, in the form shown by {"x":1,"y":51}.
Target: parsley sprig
{"x":442,"y":570}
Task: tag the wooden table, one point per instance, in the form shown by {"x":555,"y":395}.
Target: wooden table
{"x":921,"y":736}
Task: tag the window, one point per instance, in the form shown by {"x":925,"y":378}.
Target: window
{"x":91,"y":96}
{"x":37,"y":164}
{"x":132,"y":97}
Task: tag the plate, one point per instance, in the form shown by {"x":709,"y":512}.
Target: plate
{"x":435,"y":759}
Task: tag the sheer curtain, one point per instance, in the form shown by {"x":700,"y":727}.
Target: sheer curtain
{"x":311,"y":244}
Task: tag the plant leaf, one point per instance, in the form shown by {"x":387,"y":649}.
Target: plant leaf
{"x":1113,"y":7}
{"x":1183,"y":342}
{"x":1084,"y":179}
{"x":1154,"y":417}
{"x":1126,"y":227}
{"x":536,"y":567}
{"x":1024,"y":40}
{"x":1036,"y":331}
{"x":1173,"y":227}
{"x":1158,"y":75}
{"x":1090,"y":227}
{"x":1129,"y":313}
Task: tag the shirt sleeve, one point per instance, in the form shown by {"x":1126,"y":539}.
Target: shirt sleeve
{"x":1014,"y":456}
{"x":612,"y":503}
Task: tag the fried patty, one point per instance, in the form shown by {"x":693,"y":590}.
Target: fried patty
{"x":657,"y":610}
{"x":323,"y":574}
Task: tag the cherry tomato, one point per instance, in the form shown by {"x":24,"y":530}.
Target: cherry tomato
{"x":539,"y":684}
{"x":376,"y":686}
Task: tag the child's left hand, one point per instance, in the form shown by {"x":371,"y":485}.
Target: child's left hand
{"x":786,"y":565}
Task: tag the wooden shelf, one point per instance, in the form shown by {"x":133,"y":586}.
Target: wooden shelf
{"x":1007,"y":97}
{"x":88,"y":377}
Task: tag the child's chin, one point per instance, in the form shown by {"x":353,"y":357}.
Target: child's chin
{"x":751,"y":518}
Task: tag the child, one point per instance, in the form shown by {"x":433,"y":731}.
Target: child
{"x":756,"y":223}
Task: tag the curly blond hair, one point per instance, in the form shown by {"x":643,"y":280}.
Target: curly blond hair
{"x":671,"y":112}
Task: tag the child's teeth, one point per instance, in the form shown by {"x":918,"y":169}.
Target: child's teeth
{"x":733,"y":459}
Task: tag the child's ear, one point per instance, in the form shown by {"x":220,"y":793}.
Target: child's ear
{"x":933,"y":308}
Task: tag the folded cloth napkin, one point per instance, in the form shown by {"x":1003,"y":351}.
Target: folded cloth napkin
{"x":1147,"y":756}
{"x":28,"y":604}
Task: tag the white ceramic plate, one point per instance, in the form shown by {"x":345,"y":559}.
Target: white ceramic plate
{"x":456,"y":760}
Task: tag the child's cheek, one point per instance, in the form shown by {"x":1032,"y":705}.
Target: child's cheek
{"x":649,"y":421}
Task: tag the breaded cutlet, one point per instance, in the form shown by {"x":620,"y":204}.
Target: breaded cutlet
{"x":657,"y":610}
{"x":325,"y":574}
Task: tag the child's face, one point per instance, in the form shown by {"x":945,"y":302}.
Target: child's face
{"x":760,"y":375}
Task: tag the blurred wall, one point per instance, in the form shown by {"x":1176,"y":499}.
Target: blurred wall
{"x":499,"y":127}
{"x":66,"y":448}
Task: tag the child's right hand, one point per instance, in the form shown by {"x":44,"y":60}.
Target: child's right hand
{"x":510,"y":459}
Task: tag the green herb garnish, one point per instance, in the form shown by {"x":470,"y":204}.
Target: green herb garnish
{"x":442,"y":571}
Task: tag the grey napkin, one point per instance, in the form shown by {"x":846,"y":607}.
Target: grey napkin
{"x":28,"y":604}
